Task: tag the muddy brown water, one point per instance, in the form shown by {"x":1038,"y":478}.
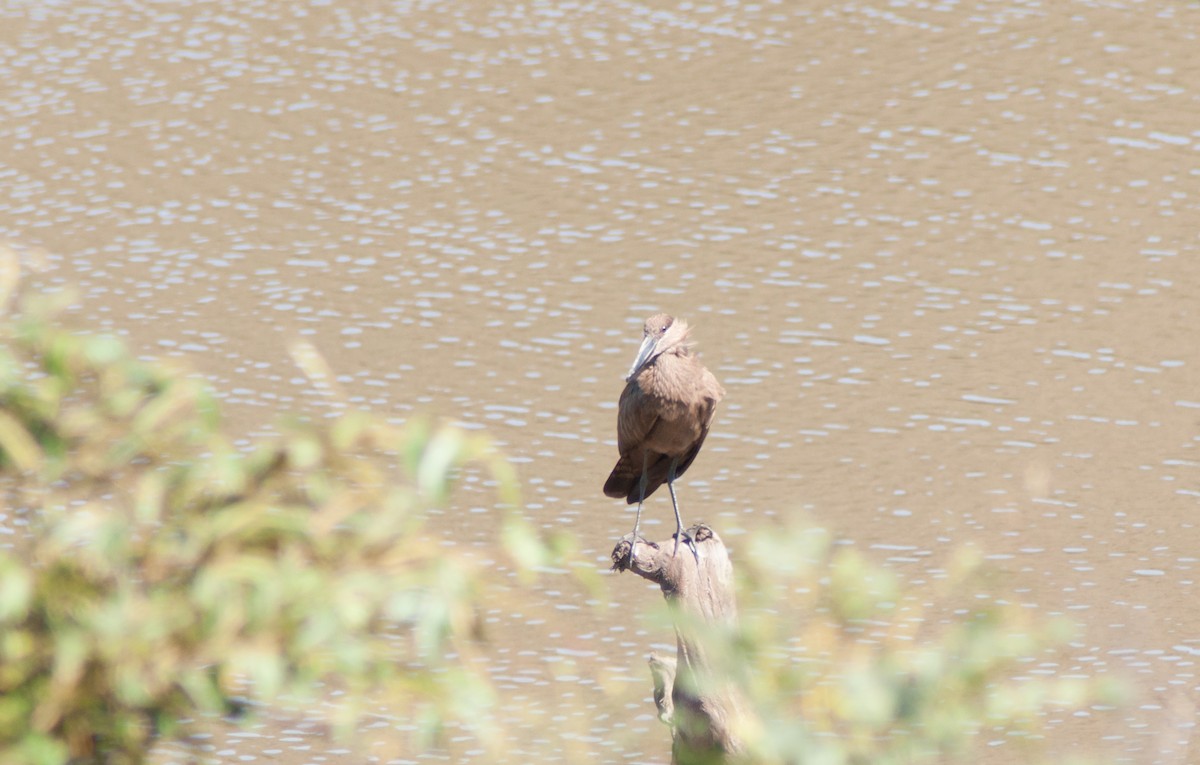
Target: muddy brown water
{"x":942,"y":256}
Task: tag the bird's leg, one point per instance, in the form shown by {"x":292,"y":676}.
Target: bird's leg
{"x":637,"y":520}
{"x":678,"y":518}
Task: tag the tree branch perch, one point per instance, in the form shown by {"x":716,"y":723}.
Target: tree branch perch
{"x":705,"y":711}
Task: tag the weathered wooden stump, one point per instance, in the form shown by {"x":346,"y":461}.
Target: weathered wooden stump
{"x":705,"y":710}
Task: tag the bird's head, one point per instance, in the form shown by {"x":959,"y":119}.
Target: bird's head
{"x":660,"y":334}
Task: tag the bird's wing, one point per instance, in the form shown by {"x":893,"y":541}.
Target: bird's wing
{"x":712,"y":389}
{"x":712,"y":396}
{"x":685,"y":460}
{"x":634,"y":418}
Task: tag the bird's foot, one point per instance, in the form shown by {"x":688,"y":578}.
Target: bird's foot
{"x":691,"y":543}
{"x":633,"y":538}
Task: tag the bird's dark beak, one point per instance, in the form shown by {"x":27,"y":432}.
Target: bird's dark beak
{"x":644,"y":354}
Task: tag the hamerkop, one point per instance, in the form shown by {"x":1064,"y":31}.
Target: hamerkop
{"x":664,"y":414}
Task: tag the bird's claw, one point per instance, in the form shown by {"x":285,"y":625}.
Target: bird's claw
{"x":633,"y":538}
{"x":691,"y":543}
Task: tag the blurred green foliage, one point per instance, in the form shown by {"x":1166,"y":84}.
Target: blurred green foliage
{"x":154,"y":565}
{"x":844,"y":665}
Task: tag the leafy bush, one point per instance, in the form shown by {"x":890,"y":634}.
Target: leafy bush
{"x":155,"y":563}
{"x":843,"y":665}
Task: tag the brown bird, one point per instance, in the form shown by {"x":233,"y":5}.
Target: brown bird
{"x":663,"y":417}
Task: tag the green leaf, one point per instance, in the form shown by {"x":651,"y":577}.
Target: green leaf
{"x":441,"y":455}
{"x":304,"y":451}
{"x":16,"y":589}
{"x":36,"y":749}
{"x":103,"y":350}
{"x":20,"y":448}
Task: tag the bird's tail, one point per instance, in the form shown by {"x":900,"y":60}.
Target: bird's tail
{"x":625,"y":478}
